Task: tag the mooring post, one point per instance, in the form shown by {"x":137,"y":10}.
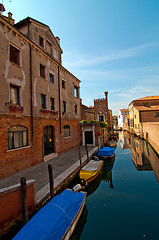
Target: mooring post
{"x":51,"y":180}
{"x":98,"y":146}
{"x":87,"y":151}
{"x":24,"y":200}
{"x":80,"y":156}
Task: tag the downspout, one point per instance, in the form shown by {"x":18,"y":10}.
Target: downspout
{"x":59,"y":97}
{"x":31,"y":85}
{"x":31,"y":93}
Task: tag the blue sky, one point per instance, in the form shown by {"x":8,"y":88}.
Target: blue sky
{"x":110,"y":45}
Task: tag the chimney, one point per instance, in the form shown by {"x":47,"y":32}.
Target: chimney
{"x":106,"y":99}
{"x":58,"y":40}
{"x":9,"y":18}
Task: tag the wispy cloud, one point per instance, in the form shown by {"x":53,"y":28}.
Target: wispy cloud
{"x":78,"y":60}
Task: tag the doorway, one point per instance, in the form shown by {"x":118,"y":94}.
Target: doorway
{"x":89,"y":137}
{"x":48,"y":140}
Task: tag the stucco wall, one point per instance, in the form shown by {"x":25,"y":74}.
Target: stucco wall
{"x":153,"y":134}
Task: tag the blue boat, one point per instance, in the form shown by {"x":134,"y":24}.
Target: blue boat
{"x":106,"y":152}
{"x":56,"y":220}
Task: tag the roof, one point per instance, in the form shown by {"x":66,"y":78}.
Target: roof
{"x":124,"y":110}
{"x":17,"y":30}
{"x":143,"y":108}
{"x":146,"y":98}
{"x":25,"y":21}
{"x":149,"y":98}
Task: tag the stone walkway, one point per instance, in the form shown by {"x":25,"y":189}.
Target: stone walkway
{"x":64,"y":167}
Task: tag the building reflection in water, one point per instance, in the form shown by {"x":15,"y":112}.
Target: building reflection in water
{"x":143,"y":156}
{"x":125,"y":140}
{"x":107,"y":171}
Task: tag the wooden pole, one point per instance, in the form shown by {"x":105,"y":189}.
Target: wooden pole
{"x":24,"y":200}
{"x":80,"y":156}
{"x":51,"y":180}
{"x":87,"y":151}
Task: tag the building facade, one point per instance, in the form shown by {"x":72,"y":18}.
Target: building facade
{"x":144,"y":119}
{"x":122,"y":116}
{"x":40,"y":99}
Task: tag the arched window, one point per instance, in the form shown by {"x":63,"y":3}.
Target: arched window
{"x":17,"y":137}
{"x":66,"y":130}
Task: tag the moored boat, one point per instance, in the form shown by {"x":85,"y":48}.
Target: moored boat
{"x":106,"y":152}
{"x":57,"y":219}
{"x":91,"y":170}
{"x":111,"y":143}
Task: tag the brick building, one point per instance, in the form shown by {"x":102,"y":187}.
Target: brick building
{"x":40,"y":99}
{"x":98,"y":112}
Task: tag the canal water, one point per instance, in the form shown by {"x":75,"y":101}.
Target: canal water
{"x":124,"y":202}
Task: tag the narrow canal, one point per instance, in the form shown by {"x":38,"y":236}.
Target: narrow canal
{"x":124,"y":203}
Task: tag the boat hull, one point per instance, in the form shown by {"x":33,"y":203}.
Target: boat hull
{"x":71,"y":229}
{"x":88,"y":173}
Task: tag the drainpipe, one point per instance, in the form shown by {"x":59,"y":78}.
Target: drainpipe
{"x":59,"y":97}
{"x":31,"y":93}
{"x":31,"y":85}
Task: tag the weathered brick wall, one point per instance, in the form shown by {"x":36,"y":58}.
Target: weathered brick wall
{"x":12,"y":161}
{"x":10,"y":202}
{"x":15,"y":160}
{"x":75,"y":138}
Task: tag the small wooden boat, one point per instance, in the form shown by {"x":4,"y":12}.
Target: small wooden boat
{"x":57,"y":219}
{"x":106,"y":152}
{"x":91,"y":170}
{"x":111,"y":143}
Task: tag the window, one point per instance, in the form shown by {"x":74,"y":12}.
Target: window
{"x":48,"y":47}
{"x":76,"y":91}
{"x":63,"y":84}
{"x":14,"y":94}
{"x":43,"y":101}
{"x":101,"y":118}
{"x":41,"y":41}
{"x":64,"y":106}
{"x":51,"y":78}
{"x":135,"y":116}
{"x":52,"y":103}
{"x":42,"y":71}
{"x":14,"y":55}
{"x":75,"y":109}
{"x":156,"y":115}
{"x":17,"y":137}
{"x":66,"y":130}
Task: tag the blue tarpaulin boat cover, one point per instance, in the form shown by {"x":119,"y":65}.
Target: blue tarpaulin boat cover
{"x":106,"y":151}
{"x":52,"y":221}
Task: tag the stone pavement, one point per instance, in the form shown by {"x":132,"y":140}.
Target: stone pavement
{"x":64,"y":167}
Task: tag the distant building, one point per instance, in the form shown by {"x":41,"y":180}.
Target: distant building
{"x":98,"y":112}
{"x":144,"y":119}
{"x":122,"y":116}
{"x":115,"y":121}
{"x":143,"y":110}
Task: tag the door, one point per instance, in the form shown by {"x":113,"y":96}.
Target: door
{"x":88,"y":137}
{"x":48,"y":140}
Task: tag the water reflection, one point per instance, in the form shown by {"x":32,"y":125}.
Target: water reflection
{"x":93,"y":185}
{"x":107,"y":171}
{"x":143,"y":156}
